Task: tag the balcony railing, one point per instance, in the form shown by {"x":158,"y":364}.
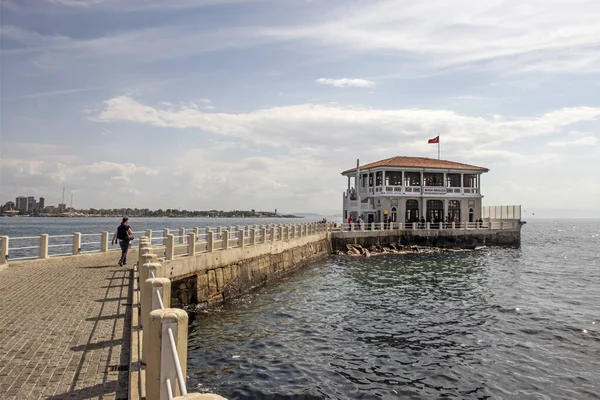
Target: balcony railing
{"x":430,"y":190}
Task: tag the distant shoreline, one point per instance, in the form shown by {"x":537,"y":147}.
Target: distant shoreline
{"x":148,"y":216}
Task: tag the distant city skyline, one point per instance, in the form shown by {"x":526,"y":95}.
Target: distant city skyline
{"x":263,"y":103}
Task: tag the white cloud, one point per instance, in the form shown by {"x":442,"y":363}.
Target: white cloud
{"x":583,"y":141}
{"x":512,"y":35}
{"x":346,"y":82}
{"x":310,"y":125}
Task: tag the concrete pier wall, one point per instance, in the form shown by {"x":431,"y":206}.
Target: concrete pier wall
{"x":449,"y":238}
{"x":209,"y":279}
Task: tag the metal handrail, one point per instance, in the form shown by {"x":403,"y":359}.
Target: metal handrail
{"x":180,"y":377}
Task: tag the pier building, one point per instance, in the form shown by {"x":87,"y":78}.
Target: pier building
{"x":409,"y":189}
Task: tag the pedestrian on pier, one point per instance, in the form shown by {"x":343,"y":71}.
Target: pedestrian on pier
{"x":124,"y":235}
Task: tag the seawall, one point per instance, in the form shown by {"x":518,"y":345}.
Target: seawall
{"x":444,"y":238}
{"x":209,"y":279}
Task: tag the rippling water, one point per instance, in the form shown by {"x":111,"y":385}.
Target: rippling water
{"x":493,"y":323}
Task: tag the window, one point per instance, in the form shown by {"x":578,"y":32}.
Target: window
{"x":412,"y":211}
{"x":412,"y":179}
{"x":394,"y":215}
{"x":378,"y":178}
{"x":454,"y":211}
{"x":432,"y":179}
{"x":453,"y":180}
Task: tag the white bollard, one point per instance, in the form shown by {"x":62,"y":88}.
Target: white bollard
{"x":225,"y":240}
{"x":76,"y":243}
{"x":165,"y":326}
{"x":181,"y":235}
{"x":104,"y":242}
{"x":4,"y":250}
{"x":210,"y":241}
{"x":191,"y":244}
{"x":165,"y":236}
{"x":253,"y":236}
{"x":154,"y":288}
{"x":44,"y":246}
{"x":241,"y":237}
{"x":170,"y":251}
{"x":263,"y":234}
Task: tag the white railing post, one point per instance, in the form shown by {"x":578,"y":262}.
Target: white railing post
{"x":170,"y":251}
{"x":165,"y":235}
{"x":104,"y":242}
{"x":263,"y":234}
{"x":191,"y":244}
{"x":166,"y":324}
{"x":252,"y":236}
{"x":4,"y":250}
{"x":181,"y":235}
{"x":197,"y":233}
{"x":210,"y":241}
{"x":76,"y":243}
{"x":427,"y":225}
{"x":453,"y":225}
{"x":241,"y":236}
{"x":44,"y":246}
{"x":147,"y":271}
{"x":272,"y":234}
{"x":225,"y":237}
{"x":148,"y":234}
{"x":150,"y":302}
{"x":280,"y":233}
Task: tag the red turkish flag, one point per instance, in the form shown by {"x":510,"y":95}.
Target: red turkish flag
{"x":434,"y":140}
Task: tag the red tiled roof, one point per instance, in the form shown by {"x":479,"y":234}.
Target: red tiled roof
{"x":418,"y":162}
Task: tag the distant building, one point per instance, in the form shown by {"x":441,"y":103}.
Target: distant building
{"x":10,"y":205}
{"x":41,"y":204}
{"x":30,"y":204}
{"x":62,"y":208}
{"x":408,"y":189}
{"x":21,"y":203}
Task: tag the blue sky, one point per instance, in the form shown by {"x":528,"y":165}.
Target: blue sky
{"x":261,"y":104}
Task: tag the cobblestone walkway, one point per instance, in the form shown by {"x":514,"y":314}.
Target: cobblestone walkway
{"x":64,"y":328}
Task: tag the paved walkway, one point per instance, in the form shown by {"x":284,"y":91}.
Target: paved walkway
{"x":65,"y":331}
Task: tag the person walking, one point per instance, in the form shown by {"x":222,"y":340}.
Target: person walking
{"x":124,"y":235}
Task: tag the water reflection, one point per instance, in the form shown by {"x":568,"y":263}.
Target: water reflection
{"x":483,"y":324}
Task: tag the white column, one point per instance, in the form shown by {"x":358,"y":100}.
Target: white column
{"x":210,"y":241}
{"x":4,"y":250}
{"x":104,"y":242}
{"x":43,"y":245}
{"x":191,"y":244}
{"x":76,"y":243}
{"x":383,"y":179}
{"x":160,"y":364}
{"x":170,"y":252}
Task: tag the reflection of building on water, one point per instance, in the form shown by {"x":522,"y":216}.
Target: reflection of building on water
{"x":410,"y":189}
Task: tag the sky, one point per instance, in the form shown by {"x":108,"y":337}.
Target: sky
{"x":241,"y":104}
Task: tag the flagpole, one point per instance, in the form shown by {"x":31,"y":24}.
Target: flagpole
{"x":438,"y":147}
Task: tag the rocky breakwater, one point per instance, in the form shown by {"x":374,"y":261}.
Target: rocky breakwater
{"x":357,"y":250}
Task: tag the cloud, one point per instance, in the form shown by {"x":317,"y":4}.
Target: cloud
{"x":346,"y":82}
{"x":513,"y":36}
{"x":583,"y":141}
{"x":305,"y":125}
{"x":144,"y":45}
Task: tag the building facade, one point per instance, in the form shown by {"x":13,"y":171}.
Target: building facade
{"x":412,"y":189}
{"x":21,"y":203}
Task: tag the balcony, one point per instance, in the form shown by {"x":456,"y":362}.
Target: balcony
{"x":389,"y":190}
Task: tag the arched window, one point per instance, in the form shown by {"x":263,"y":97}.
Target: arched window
{"x":394,"y":215}
{"x":412,"y":211}
{"x":435,"y":211}
{"x":454,"y":211}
